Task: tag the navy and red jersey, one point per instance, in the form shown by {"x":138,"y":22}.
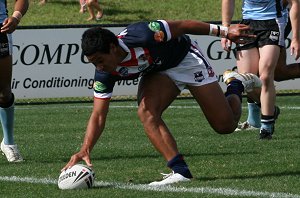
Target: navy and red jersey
{"x":150,"y":48}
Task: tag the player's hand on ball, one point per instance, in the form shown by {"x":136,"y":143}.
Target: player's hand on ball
{"x":77,"y":157}
{"x":240,"y":33}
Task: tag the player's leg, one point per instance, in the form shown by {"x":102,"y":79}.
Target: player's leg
{"x":90,"y":8}
{"x":268,"y":59}
{"x":156,"y":92}
{"x":8,"y":146}
{"x":247,"y":62}
{"x":222,"y":113}
{"x":6,"y":99}
{"x":286,"y":72}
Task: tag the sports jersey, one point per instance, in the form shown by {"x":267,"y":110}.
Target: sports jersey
{"x":261,"y":9}
{"x":150,"y":48}
{"x":3,"y":10}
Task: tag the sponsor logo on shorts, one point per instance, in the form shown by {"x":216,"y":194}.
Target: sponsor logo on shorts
{"x":274,"y":36}
{"x":98,"y":86}
{"x":210,"y":71}
{"x":198,"y":76}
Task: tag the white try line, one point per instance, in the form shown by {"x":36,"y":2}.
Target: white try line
{"x":143,"y":187}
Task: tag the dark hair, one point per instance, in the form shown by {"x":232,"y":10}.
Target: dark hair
{"x":97,"y":39}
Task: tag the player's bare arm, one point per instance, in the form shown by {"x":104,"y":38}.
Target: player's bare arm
{"x":295,"y":20}
{"x":227,"y":14}
{"x":10,"y":24}
{"x":94,"y":130}
{"x":235,"y":33}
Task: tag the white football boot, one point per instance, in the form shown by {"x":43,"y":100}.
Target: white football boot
{"x":250,"y":81}
{"x":245,"y":126}
{"x":170,"y":179}
{"x":11,"y":152}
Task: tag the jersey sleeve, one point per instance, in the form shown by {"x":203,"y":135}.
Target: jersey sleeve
{"x":145,"y":34}
{"x":103,"y":85}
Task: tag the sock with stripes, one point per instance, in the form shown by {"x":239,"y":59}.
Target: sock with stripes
{"x":267,"y":123}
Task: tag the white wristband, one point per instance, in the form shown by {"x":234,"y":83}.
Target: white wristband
{"x":17,"y":15}
{"x":224,"y":31}
{"x":211,"y":28}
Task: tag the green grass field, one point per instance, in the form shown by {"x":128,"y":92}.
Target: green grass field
{"x":65,"y":12}
{"x":235,"y":165}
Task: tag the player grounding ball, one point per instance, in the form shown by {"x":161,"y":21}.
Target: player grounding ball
{"x":78,"y":176}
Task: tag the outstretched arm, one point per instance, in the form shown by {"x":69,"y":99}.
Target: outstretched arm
{"x":94,"y":130}
{"x":235,"y":33}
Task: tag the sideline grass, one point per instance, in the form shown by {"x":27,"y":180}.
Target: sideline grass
{"x":48,"y":134}
{"x":65,"y":12}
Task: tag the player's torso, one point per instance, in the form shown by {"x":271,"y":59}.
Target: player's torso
{"x":261,"y":9}
{"x":146,"y":54}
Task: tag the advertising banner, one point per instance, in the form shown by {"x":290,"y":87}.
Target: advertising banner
{"x":48,"y":63}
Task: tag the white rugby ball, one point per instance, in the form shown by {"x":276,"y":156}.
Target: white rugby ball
{"x":78,"y":176}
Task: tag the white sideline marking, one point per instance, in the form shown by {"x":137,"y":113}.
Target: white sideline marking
{"x":141,"y":187}
{"x":130,"y":106}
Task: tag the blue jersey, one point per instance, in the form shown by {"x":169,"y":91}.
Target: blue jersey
{"x":150,"y":48}
{"x":262,"y":9}
{"x":3,"y":10}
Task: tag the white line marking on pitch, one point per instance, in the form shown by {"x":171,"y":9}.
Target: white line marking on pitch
{"x":141,"y":187}
{"x":129,"y":106}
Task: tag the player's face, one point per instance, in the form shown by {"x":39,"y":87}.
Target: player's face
{"x":103,"y":62}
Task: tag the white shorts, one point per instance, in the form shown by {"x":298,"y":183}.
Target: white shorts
{"x":193,"y":70}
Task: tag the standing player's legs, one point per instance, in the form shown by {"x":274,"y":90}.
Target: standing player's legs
{"x":6,"y":99}
{"x":268,"y":60}
{"x":156,"y":92}
{"x":8,"y":146}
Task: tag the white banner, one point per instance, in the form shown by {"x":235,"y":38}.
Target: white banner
{"x":48,"y":63}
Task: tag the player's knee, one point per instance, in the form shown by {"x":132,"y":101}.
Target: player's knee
{"x":225,"y":128}
{"x":143,"y":114}
{"x":6,"y":99}
{"x":265,"y":79}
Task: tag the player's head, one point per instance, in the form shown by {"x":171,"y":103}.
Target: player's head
{"x":97,"y":39}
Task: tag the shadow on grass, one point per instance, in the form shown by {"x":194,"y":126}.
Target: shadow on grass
{"x":156,"y":155}
{"x":251,"y":176}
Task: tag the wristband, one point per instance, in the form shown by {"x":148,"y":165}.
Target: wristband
{"x":17,"y":15}
{"x":213,"y":27}
{"x":222,"y":31}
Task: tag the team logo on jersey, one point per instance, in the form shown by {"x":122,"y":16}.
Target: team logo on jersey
{"x":158,"y":34}
{"x":154,"y":26}
{"x":123,"y":71}
{"x":274,"y":36}
{"x":98,"y":86}
{"x":198,"y":76}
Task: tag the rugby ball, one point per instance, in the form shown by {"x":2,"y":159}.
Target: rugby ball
{"x":78,"y":176}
